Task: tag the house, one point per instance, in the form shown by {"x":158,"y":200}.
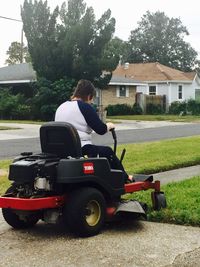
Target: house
{"x":120,"y":90}
{"x":162,"y":80}
{"x":18,"y":77}
{"x":17,"y":74}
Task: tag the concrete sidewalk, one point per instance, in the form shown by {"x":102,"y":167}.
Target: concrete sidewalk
{"x":177,"y":174}
{"x":22,"y":131}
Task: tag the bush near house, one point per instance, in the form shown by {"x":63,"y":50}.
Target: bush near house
{"x":177,"y":107}
{"x":154,"y":109}
{"x":191,"y":106}
{"x":13,"y":106}
{"x":47,"y":96}
{"x":123,"y":109}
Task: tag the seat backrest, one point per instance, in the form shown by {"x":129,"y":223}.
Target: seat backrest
{"x":61,"y":139}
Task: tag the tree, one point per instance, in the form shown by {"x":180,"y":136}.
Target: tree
{"x":13,"y":106}
{"x":17,"y":54}
{"x":49,"y":95}
{"x":40,"y":30}
{"x":72,"y":48}
{"x":161,"y":39}
{"x":116,"y":49}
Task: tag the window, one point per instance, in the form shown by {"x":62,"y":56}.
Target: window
{"x":180,"y":92}
{"x":152,"y":90}
{"x":122,"y":90}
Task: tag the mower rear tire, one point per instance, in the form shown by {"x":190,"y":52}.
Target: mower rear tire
{"x":13,"y":219}
{"x":85,"y":212}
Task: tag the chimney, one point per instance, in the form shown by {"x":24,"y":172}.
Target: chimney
{"x":120,"y":61}
{"x":126,"y":65}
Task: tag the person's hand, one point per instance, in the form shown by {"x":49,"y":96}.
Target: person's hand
{"x":110,"y":126}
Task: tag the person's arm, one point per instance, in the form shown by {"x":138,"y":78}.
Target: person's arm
{"x":92,"y":118}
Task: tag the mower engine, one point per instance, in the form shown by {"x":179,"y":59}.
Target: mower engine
{"x":33,"y":174}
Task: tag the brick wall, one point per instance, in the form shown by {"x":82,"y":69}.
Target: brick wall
{"x":109,"y":96}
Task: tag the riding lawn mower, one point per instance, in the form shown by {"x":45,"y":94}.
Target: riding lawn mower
{"x":60,"y":184}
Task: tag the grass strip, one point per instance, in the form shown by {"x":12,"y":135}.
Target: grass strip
{"x":183,"y":203}
{"x":8,"y":128}
{"x":21,"y":121}
{"x":4,"y":182}
{"x":174,"y":118}
{"x":158,"y":156}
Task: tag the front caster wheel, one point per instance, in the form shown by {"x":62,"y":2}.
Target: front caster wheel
{"x":158,"y":200}
{"x":84,"y":213}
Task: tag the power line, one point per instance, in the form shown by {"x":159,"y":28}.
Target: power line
{"x":10,"y":19}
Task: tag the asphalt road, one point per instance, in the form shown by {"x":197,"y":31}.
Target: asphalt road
{"x":13,"y":147}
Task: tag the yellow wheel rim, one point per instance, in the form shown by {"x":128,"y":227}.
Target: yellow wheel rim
{"x":93,"y":213}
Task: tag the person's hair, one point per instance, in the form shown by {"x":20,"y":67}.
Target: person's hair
{"x":84,"y":89}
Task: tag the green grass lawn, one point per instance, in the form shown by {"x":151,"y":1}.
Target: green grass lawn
{"x":161,"y":117}
{"x":8,"y":128}
{"x":183,"y":203}
{"x":182,"y":198}
{"x":152,"y":157}
{"x":175,"y":118}
{"x":4,"y":182}
{"x":21,"y":121}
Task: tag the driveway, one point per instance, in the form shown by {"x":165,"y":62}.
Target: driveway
{"x":135,"y":243}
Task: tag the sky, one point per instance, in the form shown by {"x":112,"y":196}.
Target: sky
{"x":127,"y":14}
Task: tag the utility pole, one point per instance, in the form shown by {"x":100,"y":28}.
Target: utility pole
{"x":22,"y":44}
{"x":22,"y":32}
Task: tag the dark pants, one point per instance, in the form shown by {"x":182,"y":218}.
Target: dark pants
{"x":107,"y":152}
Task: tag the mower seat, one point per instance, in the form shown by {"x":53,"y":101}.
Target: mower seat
{"x":60,"y":139}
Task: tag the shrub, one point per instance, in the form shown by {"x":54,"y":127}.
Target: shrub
{"x":10,"y":104}
{"x":119,"y":109}
{"x":137,"y":110}
{"x":123,"y":109}
{"x":177,"y":107}
{"x":154,"y":109}
{"x":186,"y":107}
{"x":193,"y":107}
{"x":49,"y":96}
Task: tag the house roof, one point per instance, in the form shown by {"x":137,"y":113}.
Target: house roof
{"x":120,"y":80}
{"x":155,"y":71}
{"x":18,"y":73}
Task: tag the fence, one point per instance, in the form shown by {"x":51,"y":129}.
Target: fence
{"x":144,"y":100}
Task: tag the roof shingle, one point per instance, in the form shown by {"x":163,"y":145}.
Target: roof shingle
{"x":17,"y":72}
{"x":152,"y":72}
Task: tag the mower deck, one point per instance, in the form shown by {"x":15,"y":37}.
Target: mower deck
{"x":32,"y":203}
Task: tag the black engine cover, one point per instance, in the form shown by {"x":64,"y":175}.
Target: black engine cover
{"x":23,"y":171}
